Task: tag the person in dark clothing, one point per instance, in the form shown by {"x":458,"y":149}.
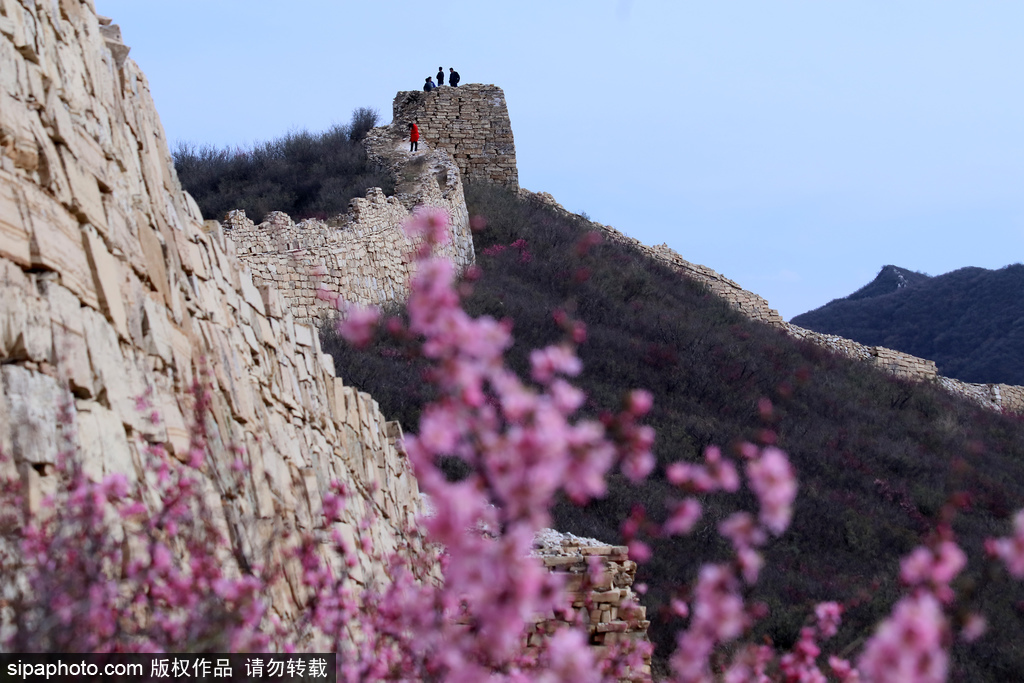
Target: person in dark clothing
{"x":453,"y":78}
{"x":440,"y":76}
{"x":429,"y":85}
{"x":414,"y":136}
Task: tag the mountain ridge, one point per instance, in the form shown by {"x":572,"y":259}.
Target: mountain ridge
{"x":970,"y":321}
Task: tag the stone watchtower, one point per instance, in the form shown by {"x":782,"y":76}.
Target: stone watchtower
{"x":471,"y":123}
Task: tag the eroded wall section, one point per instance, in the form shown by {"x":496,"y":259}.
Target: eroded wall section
{"x":365,"y":255}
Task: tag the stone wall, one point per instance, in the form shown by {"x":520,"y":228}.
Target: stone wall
{"x":115,"y":295}
{"x":1004,"y":397}
{"x":364,"y":255}
{"x":610,"y":608}
{"x":471,"y":122}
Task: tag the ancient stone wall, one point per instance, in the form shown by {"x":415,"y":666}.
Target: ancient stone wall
{"x":471,"y":122}
{"x":995,"y":396}
{"x":365,"y":255}
{"x":610,"y":608}
{"x":115,"y":296}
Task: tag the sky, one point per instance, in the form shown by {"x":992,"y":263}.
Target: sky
{"x":795,"y":146}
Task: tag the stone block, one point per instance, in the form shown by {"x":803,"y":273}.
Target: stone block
{"x":251,"y":293}
{"x":32,"y":404}
{"x":102,"y":442}
{"x":106,"y":272}
{"x":57,"y":244}
{"x":87,"y":201}
{"x":15,"y":230}
{"x":70,"y":354}
{"x":156,"y":265}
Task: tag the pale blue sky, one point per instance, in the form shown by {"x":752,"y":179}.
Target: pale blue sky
{"x":794,"y":146}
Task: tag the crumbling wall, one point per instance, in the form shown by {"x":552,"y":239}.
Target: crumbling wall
{"x":470,"y":122}
{"x":364,"y":255}
{"x":1004,"y":397}
{"x":115,"y":296}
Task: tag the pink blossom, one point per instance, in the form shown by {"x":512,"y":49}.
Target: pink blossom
{"x":974,"y":627}
{"x":1011,"y":549}
{"x":772,"y":479}
{"x":684,"y":517}
{"x":908,"y":646}
{"x":359,"y":325}
{"x":553,"y":359}
{"x":430,"y":223}
{"x":639,"y":402}
{"x":829,"y":616}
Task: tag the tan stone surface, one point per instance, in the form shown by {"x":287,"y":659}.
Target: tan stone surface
{"x":113,"y":286}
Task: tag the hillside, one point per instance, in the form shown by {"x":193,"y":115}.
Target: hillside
{"x":969,"y":321}
{"x":877,"y":457}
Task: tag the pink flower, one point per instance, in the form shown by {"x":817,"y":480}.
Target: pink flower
{"x":908,"y":646}
{"x":639,"y":402}
{"x":553,"y":359}
{"x":829,"y":616}
{"x":430,"y":223}
{"x":684,"y":517}
{"x":1010,"y":549}
{"x":359,"y":325}
{"x":772,"y":479}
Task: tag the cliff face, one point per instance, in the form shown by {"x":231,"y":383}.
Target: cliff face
{"x":113,"y":288}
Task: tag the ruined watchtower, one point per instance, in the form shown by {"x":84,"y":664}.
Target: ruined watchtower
{"x":471,"y":123}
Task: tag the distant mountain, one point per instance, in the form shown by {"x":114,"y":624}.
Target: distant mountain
{"x":969,"y":321}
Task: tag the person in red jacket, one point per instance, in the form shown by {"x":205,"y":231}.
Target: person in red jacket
{"x":414,"y":136}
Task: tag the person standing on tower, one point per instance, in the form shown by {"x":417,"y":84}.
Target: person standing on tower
{"x":440,"y":76}
{"x":453,"y":79}
{"x":414,"y":136}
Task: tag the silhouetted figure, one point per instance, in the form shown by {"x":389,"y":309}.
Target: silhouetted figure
{"x":440,"y":76}
{"x":453,"y":78}
{"x":429,"y":85}
{"x":414,"y":137}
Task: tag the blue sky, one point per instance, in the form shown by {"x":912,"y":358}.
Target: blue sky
{"x":794,"y":146}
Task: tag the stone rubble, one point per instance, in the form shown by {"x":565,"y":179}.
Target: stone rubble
{"x":609,"y":606}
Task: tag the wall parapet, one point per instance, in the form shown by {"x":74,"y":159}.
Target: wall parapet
{"x":609,"y":607}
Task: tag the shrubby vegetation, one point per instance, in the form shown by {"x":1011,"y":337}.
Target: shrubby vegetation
{"x":969,"y":321}
{"x":306,"y":175}
{"x":884,"y":465}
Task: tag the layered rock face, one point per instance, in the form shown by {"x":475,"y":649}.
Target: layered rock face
{"x":470,"y":122}
{"x":115,"y":296}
